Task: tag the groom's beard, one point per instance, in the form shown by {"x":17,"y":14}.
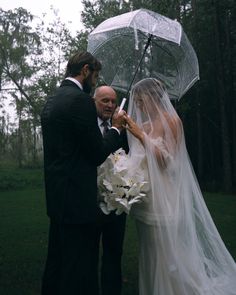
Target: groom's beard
{"x":87,"y":85}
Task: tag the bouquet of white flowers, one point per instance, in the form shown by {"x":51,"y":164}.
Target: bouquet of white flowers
{"x":119,"y":186}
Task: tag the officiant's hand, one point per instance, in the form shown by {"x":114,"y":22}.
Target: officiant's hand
{"x":119,"y":119}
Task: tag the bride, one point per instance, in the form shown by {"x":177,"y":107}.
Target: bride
{"x":181,"y":251}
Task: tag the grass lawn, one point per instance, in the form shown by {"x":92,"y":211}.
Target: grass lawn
{"x":23,"y":240}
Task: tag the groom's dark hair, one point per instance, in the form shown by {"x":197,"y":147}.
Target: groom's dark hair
{"x":78,"y":60}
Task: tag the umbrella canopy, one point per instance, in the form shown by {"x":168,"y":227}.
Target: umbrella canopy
{"x":141,"y":44}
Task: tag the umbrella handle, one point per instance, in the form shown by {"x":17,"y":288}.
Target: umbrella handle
{"x":122,"y":104}
{"x":136,"y":71}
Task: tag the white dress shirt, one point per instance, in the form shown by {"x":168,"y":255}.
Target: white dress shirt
{"x":100,"y":121}
{"x":75,"y":81}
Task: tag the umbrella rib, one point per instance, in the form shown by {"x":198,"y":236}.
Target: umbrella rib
{"x":141,"y":59}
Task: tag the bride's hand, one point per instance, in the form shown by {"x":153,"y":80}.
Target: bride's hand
{"x":133,"y":128}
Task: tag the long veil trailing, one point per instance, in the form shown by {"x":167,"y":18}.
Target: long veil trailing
{"x":182,"y":252}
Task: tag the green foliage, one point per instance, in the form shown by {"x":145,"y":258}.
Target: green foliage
{"x":32,"y":64}
{"x":18,"y":43}
{"x":79,"y":43}
{"x":97,"y":11}
{"x":32,"y":58}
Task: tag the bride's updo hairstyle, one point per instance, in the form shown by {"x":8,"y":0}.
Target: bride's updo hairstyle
{"x":149,"y":96}
{"x":150,"y":87}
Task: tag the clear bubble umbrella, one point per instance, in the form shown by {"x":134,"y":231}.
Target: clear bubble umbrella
{"x":141,"y":44}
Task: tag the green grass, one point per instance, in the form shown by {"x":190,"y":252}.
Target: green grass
{"x":23,"y":240}
{"x":13,"y":178}
{"x":23,"y":237}
{"x":223,"y":211}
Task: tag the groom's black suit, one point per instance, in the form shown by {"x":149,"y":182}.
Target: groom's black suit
{"x":73,"y":148}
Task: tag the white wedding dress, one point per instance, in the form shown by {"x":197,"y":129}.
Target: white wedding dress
{"x":180,"y":249}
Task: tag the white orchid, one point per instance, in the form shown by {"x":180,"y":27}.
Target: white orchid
{"x":119,"y":186}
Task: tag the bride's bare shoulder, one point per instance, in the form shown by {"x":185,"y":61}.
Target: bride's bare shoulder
{"x":173,"y":119}
{"x":175,"y":124}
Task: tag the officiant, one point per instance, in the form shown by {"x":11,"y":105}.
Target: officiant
{"x":111,"y":227}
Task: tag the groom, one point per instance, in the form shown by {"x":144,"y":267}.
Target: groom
{"x":73,"y":148}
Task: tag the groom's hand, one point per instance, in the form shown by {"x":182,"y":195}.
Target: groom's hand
{"x":119,"y":119}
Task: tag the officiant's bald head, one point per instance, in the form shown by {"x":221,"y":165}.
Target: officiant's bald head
{"x":106,"y":101}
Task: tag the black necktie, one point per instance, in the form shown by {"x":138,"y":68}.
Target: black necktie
{"x":105,"y":125}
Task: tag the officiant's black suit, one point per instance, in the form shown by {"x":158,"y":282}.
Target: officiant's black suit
{"x":111,"y":231}
{"x":73,"y":148}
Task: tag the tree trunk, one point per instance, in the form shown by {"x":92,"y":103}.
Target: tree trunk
{"x":19,"y":143}
{"x":35,"y":156}
{"x":199,"y":144}
{"x":234,"y":145}
{"x":232,"y":92}
{"x":19,"y":134}
{"x":198,"y":100}
{"x":226,"y":157}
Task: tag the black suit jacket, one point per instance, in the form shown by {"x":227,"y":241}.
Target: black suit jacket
{"x":123,"y":139}
{"x":73,"y":148}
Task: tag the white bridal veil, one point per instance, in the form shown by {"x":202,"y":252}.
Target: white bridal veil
{"x":179,"y":240}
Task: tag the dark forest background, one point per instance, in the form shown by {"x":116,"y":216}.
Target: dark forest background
{"x":32,"y":64}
